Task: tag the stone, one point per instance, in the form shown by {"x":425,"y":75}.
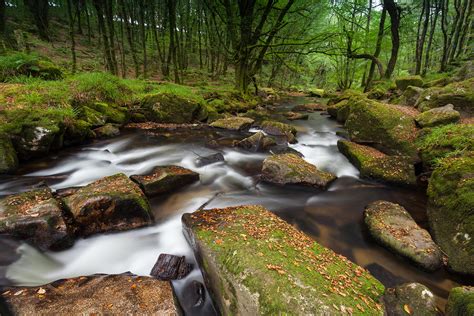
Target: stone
{"x":450,"y":204}
{"x":257,"y":264}
{"x":194,"y":296}
{"x":292,"y":116}
{"x":170,"y":108}
{"x":8,"y":157}
{"x":122,"y":294}
{"x":164,"y":179}
{"x":257,"y":142}
{"x":235,"y":123}
{"x":279,"y":129}
{"x":308,"y":107}
{"x":393,"y":227}
{"x":35,"y":141}
{"x":202,"y":161}
{"x":113,"y":203}
{"x":340,"y":111}
{"x":77,"y":132}
{"x":438,"y":116}
{"x":411,"y":95}
{"x":35,"y":217}
{"x":404,"y":82}
{"x":170,"y":267}
{"x":374,"y":164}
{"x":460,"y":301}
{"x":286,"y":169}
{"x":319,"y":93}
{"x":106,"y":131}
{"x":410,"y":299}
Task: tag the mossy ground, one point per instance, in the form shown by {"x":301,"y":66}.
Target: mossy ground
{"x":290,"y":272}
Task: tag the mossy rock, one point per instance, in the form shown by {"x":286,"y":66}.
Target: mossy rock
{"x":112,"y":114}
{"x":18,"y":64}
{"x":107,"y":131}
{"x":438,"y":116}
{"x":234,"y":123}
{"x":279,"y":129}
{"x":376,"y":165}
{"x":285,"y":273}
{"x":8,"y":157}
{"x":461,"y":301}
{"x":93,"y":117}
{"x":459,"y":94}
{"x":450,"y":210}
{"x":170,"y":108}
{"x":403,"y":82}
{"x":77,"y":132}
{"x":48,"y":71}
{"x":319,"y":93}
{"x":257,"y":142}
{"x":410,"y":95}
{"x":347,"y":94}
{"x":410,"y":299}
{"x":383,"y":126}
{"x":36,"y":141}
{"x":380,"y":89}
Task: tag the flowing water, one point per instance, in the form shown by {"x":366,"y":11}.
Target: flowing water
{"x":333,"y":217}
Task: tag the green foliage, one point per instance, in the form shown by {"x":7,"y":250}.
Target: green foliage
{"x":30,"y":65}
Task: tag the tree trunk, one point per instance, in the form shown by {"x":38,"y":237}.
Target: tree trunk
{"x":420,"y":41}
{"x":394,"y":13}
{"x":378,"y":47}
{"x":172,"y":33}
{"x":2,"y":18}
{"x":39,"y":9}
{"x":444,"y":30}
{"x":128,"y":31}
{"x":434,"y":20}
{"x":71,"y":35}
{"x":141,"y":16}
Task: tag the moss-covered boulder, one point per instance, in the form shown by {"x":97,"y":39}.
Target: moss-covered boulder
{"x":286,"y":169}
{"x":383,"y":126}
{"x":393,"y":227}
{"x":77,"y":132}
{"x":36,"y":217}
{"x":411,"y":95}
{"x":314,"y":92}
{"x":410,"y":299}
{"x":450,"y":210}
{"x":37,"y":140}
{"x":461,"y":301}
{"x":340,"y":111}
{"x":279,"y":129}
{"x":293,"y":116}
{"x":123,"y":294}
{"x":171,"y":108}
{"x":438,"y":116}
{"x":286,"y":272}
{"x":8,"y":157}
{"x":404,"y":82}
{"x":257,"y":142}
{"x":376,"y":165}
{"x":92,"y":117}
{"x":165,"y":179}
{"x":347,"y":94}
{"x":31,"y":65}
{"x":113,"y":203}
{"x":107,"y":131}
{"x":112,"y":113}
{"x":460,"y":94}
{"x":235,"y":123}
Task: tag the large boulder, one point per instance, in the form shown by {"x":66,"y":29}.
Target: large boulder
{"x":438,"y":116}
{"x":235,"y":123}
{"x":8,"y":157}
{"x":113,"y":203}
{"x":163,"y":179}
{"x":106,"y":131}
{"x":36,"y":141}
{"x":293,"y":116}
{"x":411,"y":95}
{"x":376,"y":165}
{"x":392,"y":226}
{"x":460,"y":301}
{"x":122,"y":294}
{"x":450,"y":210}
{"x":383,"y":126}
{"x":171,"y":108}
{"x":36,"y":217}
{"x":77,"y":132}
{"x":404,"y":82}
{"x":257,"y":142}
{"x":279,"y":129}
{"x":410,"y":299}
{"x":286,"y":169}
{"x":286,"y":272}
{"x":340,"y":111}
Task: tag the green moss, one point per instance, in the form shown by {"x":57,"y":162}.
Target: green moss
{"x":21,"y":64}
{"x":113,"y":114}
{"x":170,"y":108}
{"x":437,"y":117}
{"x":460,"y":94}
{"x":277,"y":128}
{"x":460,"y":301}
{"x":403,"y":82}
{"x":8,"y":158}
{"x":77,"y":131}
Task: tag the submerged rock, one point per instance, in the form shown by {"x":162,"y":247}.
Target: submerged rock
{"x":8,"y":157}
{"x":392,"y":226}
{"x":170,"y":267}
{"x":438,"y":116}
{"x":257,"y":142}
{"x":194,"y":296}
{"x":36,"y":217}
{"x":450,"y":210}
{"x":210,"y":159}
{"x":460,"y":301}
{"x":292,"y":116}
{"x":108,"y":130}
{"x":376,"y":165}
{"x":404,"y":82}
{"x":112,"y":203}
{"x":285,"y":169}
{"x":235,"y":123}
{"x":163,"y":179}
{"x":279,"y":129}
{"x":286,"y":272}
{"x":122,"y":294}
{"x":309,"y":107}
{"x":410,"y":299}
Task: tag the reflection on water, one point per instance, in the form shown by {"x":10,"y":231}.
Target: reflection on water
{"x":333,"y":218}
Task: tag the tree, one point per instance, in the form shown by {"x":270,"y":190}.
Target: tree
{"x":39,"y":10}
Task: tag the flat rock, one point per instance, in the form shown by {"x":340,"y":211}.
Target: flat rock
{"x":122,"y":294}
{"x":108,"y":130}
{"x":392,"y":226}
{"x":209,"y":159}
{"x":257,"y":142}
{"x":235,"y":123}
{"x":460,"y":301}
{"x":438,"y":116}
{"x":170,"y":267}
{"x":36,"y":217}
{"x":404,"y":82}
{"x":112,"y":203}
{"x":410,"y":299}
{"x":257,"y":264}
{"x":292,"y":116}
{"x":163,"y":179}
{"x":285,"y":169}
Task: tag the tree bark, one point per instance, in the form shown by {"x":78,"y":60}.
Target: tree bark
{"x":71,"y":36}
{"x":378,"y":47}
{"x":394,"y":12}
{"x":420,"y":41}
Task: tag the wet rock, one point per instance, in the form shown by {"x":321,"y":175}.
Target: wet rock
{"x":376,"y":165}
{"x":235,"y":123}
{"x":106,"y":131}
{"x":194,"y":296}
{"x":92,"y":117}
{"x":170,"y":108}
{"x":404,"y":82}
{"x":210,"y":159}
{"x":309,"y":107}
{"x":386,"y":276}
{"x":410,"y":299}
{"x":450,"y":205}
{"x":61,"y":193}
{"x":257,"y":142}
{"x":291,"y":169}
{"x":384,"y":127}
{"x":36,"y":217}
{"x":122,"y":294}
{"x":438,"y":116}
{"x":284,"y":149}
{"x":298,"y":279}
{"x":319,"y":93}
{"x":36,"y":141}
{"x":411,"y":95}
{"x":112,"y":113}
{"x":460,"y":301}
{"x":292,"y":116}
{"x":170,"y":267}
{"x":340,"y":110}
{"x":8,"y":157}
{"x":112,"y":203}
{"x":279,"y":129}
{"x":77,"y":132}
{"x":392,"y":226}
{"x":163,"y":179}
